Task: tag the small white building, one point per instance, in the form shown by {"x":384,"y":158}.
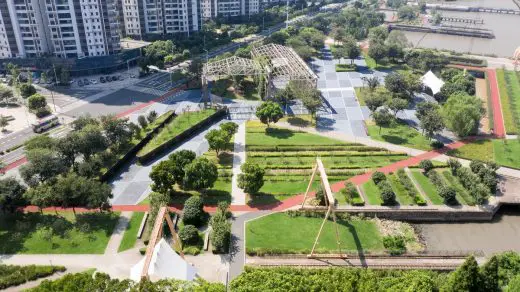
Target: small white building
{"x":165,"y":264}
{"x":433,"y":82}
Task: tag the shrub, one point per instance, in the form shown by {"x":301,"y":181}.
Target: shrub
{"x":189,"y":235}
{"x":42,"y":112}
{"x":142,"y":250}
{"x":426,"y":165}
{"x":378,"y":177}
{"x":394,"y":244}
{"x":437,"y":144}
{"x":352,"y":195}
{"x":454,"y":164}
{"x":448,"y":194}
{"x":420,"y":201}
{"x":152,"y":116}
{"x":407,"y":183}
{"x":16,"y":275}
{"x":36,"y":101}
{"x":476,"y":166}
{"x":193,"y":214}
{"x":386,"y":192}
{"x":191,"y":250}
{"x":142,"y":121}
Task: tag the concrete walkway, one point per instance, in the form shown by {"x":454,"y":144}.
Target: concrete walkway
{"x":238,"y":197}
{"x":119,"y":231}
{"x":417,"y":186}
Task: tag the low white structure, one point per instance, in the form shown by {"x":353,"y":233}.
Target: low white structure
{"x":165,"y":264}
{"x":433,"y":82}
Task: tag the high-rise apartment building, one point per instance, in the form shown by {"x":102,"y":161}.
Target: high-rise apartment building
{"x":229,"y":8}
{"x":64,"y":28}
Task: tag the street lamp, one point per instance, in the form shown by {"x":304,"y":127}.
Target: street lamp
{"x":207,"y":57}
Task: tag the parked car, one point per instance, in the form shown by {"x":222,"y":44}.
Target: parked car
{"x":85,"y":81}
{"x":102,"y":79}
{"x":93,"y":81}
{"x":114,"y":78}
{"x":109,"y":78}
{"x":120,"y":77}
{"x":132,"y":76}
{"x":80,"y":83}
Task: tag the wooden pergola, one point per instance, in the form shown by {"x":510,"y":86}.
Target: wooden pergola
{"x":156,"y":235}
{"x":329,"y":202}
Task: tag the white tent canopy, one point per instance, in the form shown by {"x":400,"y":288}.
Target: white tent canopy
{"x":433,"y":82}
{"x":165,"y":263}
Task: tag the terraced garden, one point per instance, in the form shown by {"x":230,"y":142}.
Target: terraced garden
{"x":288,"y":157}
{"x":509,"y":86}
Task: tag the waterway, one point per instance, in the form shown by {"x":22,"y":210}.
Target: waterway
{"x":502,"y":234}
{"x":505,"y":27}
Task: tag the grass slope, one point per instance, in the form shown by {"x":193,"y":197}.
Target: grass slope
{"x":35,"y":233}
{"x":503,"y":152}
{"x":427,"y":187}
{"x":505,"y":100}
{"x":400,"y":133}
{"x":372,"y":193}
{"x":130,"y":236}
{"x":296,"y":234}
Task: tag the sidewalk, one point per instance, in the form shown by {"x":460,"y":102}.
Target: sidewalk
{"x":238,"y":197}
{"x":119,"y":231}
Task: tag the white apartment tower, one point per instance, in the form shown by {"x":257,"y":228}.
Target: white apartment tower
{"x":229,"y":8}
{"x":64,"y":28}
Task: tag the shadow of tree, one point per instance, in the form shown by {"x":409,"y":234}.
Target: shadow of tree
{"x":279,"y":133}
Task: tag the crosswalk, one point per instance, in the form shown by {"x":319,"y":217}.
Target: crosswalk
{"x":153,"y":91}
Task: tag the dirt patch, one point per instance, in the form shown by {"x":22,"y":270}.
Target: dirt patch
{"x":482,"y":93}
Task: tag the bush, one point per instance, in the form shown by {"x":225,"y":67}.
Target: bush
{"x":189,"y":235}
{"x":352,"y":195}
{"x":420,"y":201}
{"x":142,"y":121}
{"x":221,"y":230}
{"x":193,"y":213}
{"x":16,"y":275}
{"x":387,"y":194}
{"x":476,"y":166}
{"x":454,"y":165}
{"x":426,"y":165}
{"x":191,"y":250}
{"x":27,"y":90}
{"x":36,"y":101}
{"x":42,"y":112}
{"x":448,"y":194}
{"x":378,"y":177}
{"x":437,"y":144}
{"x":142,"y":250}
{"x":395,"y":245}
{"x":407,"y":183}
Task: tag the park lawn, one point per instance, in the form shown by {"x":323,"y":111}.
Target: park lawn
{"x":178,"y":125}
{"x":258,"y":134}
{"x":224,"y":88}
{"x":360,"y":94}
{"x":505,"y":101}
{"x":463,"y":197}
{"x":399,"y":133}
{"x":48,"y":233}
{"x":346,"y":67}
{"x":507,"y":152}
{"x":372,"y":193}
{"x":221,"y":191}
{"x":130,"y":236}
{"x":284,"y":234}
{"x":372,"y":64}
{"x":427,"y":187}
{"x":476,"y":150}
{"x":299,"y":120}
{"x":400,"y":192}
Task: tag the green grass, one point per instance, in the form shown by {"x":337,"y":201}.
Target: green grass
{"x":463,"y":197}
{"x":400,"y":133}
{"x":400,"y":192}
{"x":383,"y":64}
{"x":346,"y":67}
{"x":514,"y":94}
{"x":282,"y":233}
{"x":427,"y":187}
{"x":372,"y":193}
{"x":130,"y":236}
{"x":505,"y":100}
{"x":224,"y":88}
{"x":360,"y":94}
{"x":175,"y":127}
{"x":221,"y":191}
{"x":480,"y":149}
{"x":35,"y":233}
{"x":328,"y":161}
{"x":507,"y":152}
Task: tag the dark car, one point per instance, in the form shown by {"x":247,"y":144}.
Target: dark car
{"x":102,"y":79}
{"x":114,"y":78}
{"x":80,"y":83}
{"x":85,"y":81}
{"x":109,"y":78}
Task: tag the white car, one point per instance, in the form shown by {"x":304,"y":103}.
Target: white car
{"x":93,"y":81}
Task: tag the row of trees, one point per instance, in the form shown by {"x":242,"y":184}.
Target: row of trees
{"x":386,"y":46}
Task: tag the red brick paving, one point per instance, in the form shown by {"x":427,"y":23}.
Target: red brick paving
{"x":498,"y":120}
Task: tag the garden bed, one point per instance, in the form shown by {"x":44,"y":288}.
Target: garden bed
{"x":346,"y":67}
{"x":16,"y":275}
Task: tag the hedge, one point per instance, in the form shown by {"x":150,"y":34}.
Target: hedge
{"x":143,"y":158}
{"x":323,"y":153}
{"x":410,"y":188}
{"x":17,"y":275}
{"x":346,"y":67}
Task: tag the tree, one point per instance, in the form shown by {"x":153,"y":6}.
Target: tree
{"x":74,"y":191}
{"x":377,"y":34}
{"x":378,"y":51}
{"x":91,"y":141}
{"x":179,"y":160}
{"x":426,"y":165}
{"x":396,"y":105}
{"x":152,"y":116}
{"x":162,"y":177}
{"x":489,"y":274}
{"x":142,"y":121}
{"x":431,"y":123}
{"x":41,"y":195}
{"x":36,"y":101}
{"x":425,"y":107}
{"x":378,"y":177}
{"x":465,"y":278}
{"x":218,"y":140}
{"x":339,"y":34}
{"x":351,"y":48}
{"x":340,"y":52}
{"x":407,"y":13}
{"x":11,"y":194}
{"x":229,"y":127}
{"x":83,"y":121}
{"x":27,"y":90}
{"x":395,"y":3}
{"x":311,"y":99}
{"x":189,"y":235}
{"x":221,"y":228}
{"x":462,"y":113}
{"x":395,"y":83}
{"x":4,"y":122}
{"x":6,"y":94}
{"x":386,"y":192}
{"x":371,"y":82}
{"x":67,"y":147}
{"x":397,"y":38}
{"x":252,"y":178}
{"x":514,"y":284}
{"x":269,"y":112}
{"x":200,"y":174}
{"x":193,"y":212}
{"x":116,"y":130}
{"x":382,"y":118}
{"x":39,"y":142}
{"x":43,"y":165}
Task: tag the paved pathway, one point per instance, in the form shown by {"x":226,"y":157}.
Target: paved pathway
{"x":119,"y":231}
{"x":498,"y":120}
{"x":238,"y":197}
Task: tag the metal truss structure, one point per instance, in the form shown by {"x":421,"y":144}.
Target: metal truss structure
{"x":277,"y":63}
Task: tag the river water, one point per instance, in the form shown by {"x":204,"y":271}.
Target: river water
{"x":502,"y":234}
{"x":504,"y":26}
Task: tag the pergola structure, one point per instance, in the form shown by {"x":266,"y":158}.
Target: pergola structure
{"x":329,"y":202}
{"x":277,"y":63}
{"x":155,"y":237}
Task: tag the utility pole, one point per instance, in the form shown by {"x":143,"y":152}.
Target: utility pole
{"x":287,"y":14}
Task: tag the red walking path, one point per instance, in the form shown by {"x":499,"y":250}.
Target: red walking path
{"x":287,"y":203}
{"x":498,"y":120}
